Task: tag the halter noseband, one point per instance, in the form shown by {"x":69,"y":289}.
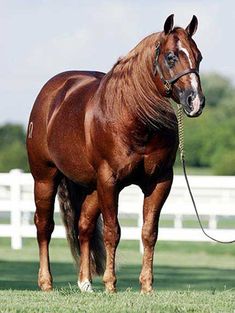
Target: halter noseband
{"x":169,"y":82}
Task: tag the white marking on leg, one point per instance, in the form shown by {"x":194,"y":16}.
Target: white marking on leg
{"x":85,"y":286}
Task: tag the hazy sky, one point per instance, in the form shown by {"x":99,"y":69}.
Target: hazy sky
{"x":40,"y":38}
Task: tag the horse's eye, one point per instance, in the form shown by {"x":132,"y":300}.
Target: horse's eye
{"x":171,"y":58}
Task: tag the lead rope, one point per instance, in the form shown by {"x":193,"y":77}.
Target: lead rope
{"x":182,"y":158}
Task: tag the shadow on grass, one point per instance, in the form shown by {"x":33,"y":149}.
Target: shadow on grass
{"x":23,"y":276}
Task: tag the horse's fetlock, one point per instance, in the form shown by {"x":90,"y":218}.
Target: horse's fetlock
{"x":110,"y":281}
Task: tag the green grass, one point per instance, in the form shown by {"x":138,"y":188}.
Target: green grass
{"x":189,"y":277}
{"x":69,"y":300}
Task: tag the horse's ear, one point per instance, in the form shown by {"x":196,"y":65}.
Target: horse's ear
{"x":169,"y":23}
{"x":192,"y":26}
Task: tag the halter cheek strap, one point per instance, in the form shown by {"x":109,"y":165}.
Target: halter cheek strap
{"x":169,"y":82}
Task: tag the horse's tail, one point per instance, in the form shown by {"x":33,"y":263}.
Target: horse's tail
{"x":70,"y":211}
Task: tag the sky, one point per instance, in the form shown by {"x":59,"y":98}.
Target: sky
{"x":40,"y":38}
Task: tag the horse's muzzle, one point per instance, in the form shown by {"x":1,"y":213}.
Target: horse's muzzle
{"x":193,"y":103}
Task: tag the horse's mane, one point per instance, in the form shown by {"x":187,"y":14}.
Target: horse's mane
{"x":129,"y":86}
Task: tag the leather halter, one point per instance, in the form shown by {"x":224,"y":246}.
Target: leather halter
{"x":169,"y":82}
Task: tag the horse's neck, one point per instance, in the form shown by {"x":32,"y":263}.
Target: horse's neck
{"x":136,"y":113}
{"x":129,"y":98}
{"x":136,"y":96}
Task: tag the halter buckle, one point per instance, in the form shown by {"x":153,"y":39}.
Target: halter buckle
{"x":167,"y":86}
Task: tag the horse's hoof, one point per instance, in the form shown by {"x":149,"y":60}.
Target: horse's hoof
{"x":146,"y":291}
{"x":110,"y":289}
{"x":85,"y":286}
{"x":45,"y":286}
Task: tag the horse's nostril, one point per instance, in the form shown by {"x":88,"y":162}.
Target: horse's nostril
{"x":190,"y":100}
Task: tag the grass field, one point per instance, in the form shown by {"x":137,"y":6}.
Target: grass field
{"x":189,"y":277}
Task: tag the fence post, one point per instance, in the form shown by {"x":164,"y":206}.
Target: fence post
{"x":140,"y":220}
{"x":178,"y":221}
{"x":212,"y":222}
{"x":140,"y":224}
{"x":16,"y":240}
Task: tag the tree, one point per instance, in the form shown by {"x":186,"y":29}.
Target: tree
{"x":211,"y":136}
{"x":216,"y":88}
{"x":12,"y":148}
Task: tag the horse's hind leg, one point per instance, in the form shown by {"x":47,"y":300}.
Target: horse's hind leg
{"x":86,"y":226}
{"x":108,"y":198}
{"x":44,"y":192}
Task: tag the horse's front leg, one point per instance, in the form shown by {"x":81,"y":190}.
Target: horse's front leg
{"x":154,"y":199}
{"x":108,"y":198}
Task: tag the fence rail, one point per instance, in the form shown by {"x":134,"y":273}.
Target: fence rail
{"x":215,"y":196}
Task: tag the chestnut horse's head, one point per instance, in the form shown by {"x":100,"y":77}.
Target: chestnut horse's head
{"x":177,"y":66}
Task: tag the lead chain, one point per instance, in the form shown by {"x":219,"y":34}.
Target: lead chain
{"x":181,"y":131}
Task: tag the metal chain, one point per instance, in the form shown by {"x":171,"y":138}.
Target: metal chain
{"x":180,"y":118}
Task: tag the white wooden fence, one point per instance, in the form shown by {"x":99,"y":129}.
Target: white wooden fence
{"x":215,"y":197}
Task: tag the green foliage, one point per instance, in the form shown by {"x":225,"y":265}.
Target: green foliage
{"x":209,"y":139}
{"x":224,"y":162}
{"x":12,"y":148}
{"x":216,"y":88}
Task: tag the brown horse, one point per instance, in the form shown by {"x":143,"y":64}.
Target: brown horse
{"x":91,"y":134}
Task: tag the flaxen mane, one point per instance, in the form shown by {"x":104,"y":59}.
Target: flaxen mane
{"x":130,"y":86}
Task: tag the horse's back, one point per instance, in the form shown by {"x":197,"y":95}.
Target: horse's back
{"x":61,"y":98}
{"x":57,"y":89}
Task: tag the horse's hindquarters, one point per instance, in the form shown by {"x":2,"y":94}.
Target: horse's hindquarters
{"x":56,"y":134}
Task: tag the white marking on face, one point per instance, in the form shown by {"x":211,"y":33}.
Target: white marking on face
{"x":193,"y":80}
{"x":183,"y":49}
{"x":196,"y":106}
{"x":193,"y":77}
